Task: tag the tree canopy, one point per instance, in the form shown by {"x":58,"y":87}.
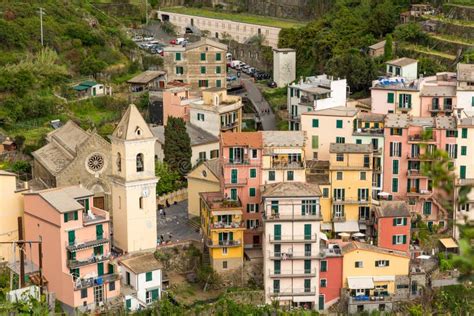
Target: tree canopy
{"x":177,"y":148}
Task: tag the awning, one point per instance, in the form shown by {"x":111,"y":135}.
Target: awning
{"x":362,"y":226}
{"x":349,"y":226}
{"x":360,"y":283}
{"x":226,"y":212}
{"x":382,"y":278}
{"x":326,"y":226}
{"x":323,"y":236}
{"x":448,"y":243}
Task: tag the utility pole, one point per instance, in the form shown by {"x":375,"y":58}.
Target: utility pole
{"x":22,"y":254}
{"x":41,"y":25}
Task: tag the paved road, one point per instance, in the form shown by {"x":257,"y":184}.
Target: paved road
{"x":255,"y":96}
{"x":176,"y":223}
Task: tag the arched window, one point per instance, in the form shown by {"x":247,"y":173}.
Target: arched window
{"x":140,"y":165}
{"x":119,"y":162}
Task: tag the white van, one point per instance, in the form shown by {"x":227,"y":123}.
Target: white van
{"x":235,"y":63}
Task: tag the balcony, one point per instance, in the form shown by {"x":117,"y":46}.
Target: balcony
{"x":418,"y":138}
{"x":82,"y":283}
{"x":413,"y":192}
{"x":231,"y":225}
{"x":366,"y":220}
{"x":294,"y":117}
{"x":82,"y":244}
{"x":293,"y":238}
{"x":94,"y":216}
{"x":364,"y":201}
{"x":295,"y":255}
{"x":338,"y":218}
{"x":284,"y":164}
{"x":415,"y":173}
{"x":229,"y":126}
{"x":295,"y":273}
{"x":223,"y":243}
{"x":72,"y":264}
{"x":366,"y":299}
{"x":368,"y":132}
{"x":292,"y":292}
{"x":217,"y":201}
{"x":437,"y":109}
{"x":417,"y":157}
{"x":235,"y":182}
{"x":276,"y":217}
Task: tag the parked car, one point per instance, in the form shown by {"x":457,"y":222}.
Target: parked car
{"x":271,"y":84}
{"x":148,"y":38}
{"x":137,"y":38}
{"x":234,"y":63}
{"x":231,"y":78}
{"x":241,"y":66}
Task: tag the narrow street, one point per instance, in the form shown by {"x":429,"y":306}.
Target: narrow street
{"x":261,"y":105}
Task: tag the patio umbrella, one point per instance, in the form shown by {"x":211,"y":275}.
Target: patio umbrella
{"x":344,"y":234}
{"x":359,"y":234}
{"x":423,"y":257}
{"x":383,"y":194}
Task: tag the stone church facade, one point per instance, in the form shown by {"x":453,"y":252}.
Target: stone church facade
{"x":73,"y":156}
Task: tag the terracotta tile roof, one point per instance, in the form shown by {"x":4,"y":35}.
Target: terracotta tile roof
{"x":392,"y":209}
{"x":250,"y":139}
{"x":292,"y":189}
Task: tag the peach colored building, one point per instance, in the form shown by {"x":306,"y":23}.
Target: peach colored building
{"x":407,"y":140}
{"x":395,"y":96}
{"x":438,"y":95}
{"x":76,"y":246}
{"x":176,"y":103}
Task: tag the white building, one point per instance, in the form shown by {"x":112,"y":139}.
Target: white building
{"x":291,"y":243}
{"x":465,"y":88}
{"x":403,"y":67}
{"x":284,"y":66}
{"x":314,"y":93}
{"x":142,"y":278}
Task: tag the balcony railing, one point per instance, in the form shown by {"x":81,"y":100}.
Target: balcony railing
{"x":275,"y":164}
{"x":418,"y":138}
{"x":292,"y":291}
{"x":223,"y":243}
{"x":94,"y":215}
{"x":295,"y":255}
{"x":216,"y":200}
{"x":292,"y":273}
{"x":94,"y":259}
{"x":293,"y":238}
{"x":236,"y":182}
{"x":231,"y":225}
{"x":417,"y":192}
{"x":414,"y":173}
{"x":275,"y":217}
{"x":82,"y":244}
{"x":338,"y":218}
{"x":228,"y":126}
{"x":368,"y":131}
{"x":366,"y":299}
{"x":361,"y":201}
{"x":82,"y":283}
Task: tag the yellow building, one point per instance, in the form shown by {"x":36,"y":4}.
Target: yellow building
{"x":350,"y":176}
{"x":12,"y":207}
{"x":203,"y":178}
{"x":371,"y":270}
{"x":223,"y":229}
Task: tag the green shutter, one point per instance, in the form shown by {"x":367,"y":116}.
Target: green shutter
{"x":178,"y":56}
{"x":307,"y":231}
{"x":462,"y":172}
{"x":463,"y":150}
{"x":277,"y":266}
{"x":75,"y":215}
{"x":149,"y":276}
{"x":100,"y":268}
{"x":218,"y":83}
{"x":154,"y":294}
{"x":464,"y":133}
{"x":218,"y":69}
{"x":358,"y":141}
{"x":315,"y":141}
{"x":99,"y":231}
{"x":395,"y":167}
{"x":203,"y":56}
{"x":303,"y":208}
{"x":291,"y":92}
{"x":277,"y":231}
{"x":404,"y":239}
{"x":307,"y":266}
{"x":394,"y":240}
{"x":66,"y":217}
{"x":390,"y":97}
{"x":203,"y":69}
{"x":394,"y":222}
{"x":394,"y":185}
{"x":339,"y":124}
{"x":231,"y":155}
{"x":253,"y":173}
{"x":71,"y":237}
{"x":111,"y":268}
{"x":233,"y":176}
{"x":252,"y":192}
{"x":409,"y":101}
{"x":324,"y":266}
{"x":128,"y":303}
{"x":315,"y":123}
{"x":405,"y":220}
{"x":400,"y":100}
{"x":218,"y":56}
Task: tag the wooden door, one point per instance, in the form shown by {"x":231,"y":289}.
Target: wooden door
{"x":99,"y":202}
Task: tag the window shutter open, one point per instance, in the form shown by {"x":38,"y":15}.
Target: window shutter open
{"x":404,"y":239}
{"x":394,"y":240}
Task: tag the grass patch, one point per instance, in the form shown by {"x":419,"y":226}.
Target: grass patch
{"x":449,"y":21}
{"x":237,"y":17}
{"x":87,"y":111}
{"x":427,"y":51}
{"x":452,"y":39}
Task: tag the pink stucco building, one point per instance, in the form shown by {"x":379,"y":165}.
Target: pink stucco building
{"x":76,"y":245}
{"x":392,"y":225}
{"x":395,"y":97}
{"x":176,"y":100}
{"x":407,"y":139}
{"x":241,"y":160}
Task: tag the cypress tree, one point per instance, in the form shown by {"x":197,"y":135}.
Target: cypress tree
{"x":388,"y":48}
{"x":177,"y":147}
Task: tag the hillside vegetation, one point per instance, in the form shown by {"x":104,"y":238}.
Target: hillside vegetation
{"x":79,"y":42}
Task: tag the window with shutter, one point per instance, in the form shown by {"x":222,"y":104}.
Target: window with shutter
{"x":395,"y":166}
{"x":339,"y":124}
{"x":390,"y":97}
{"x":315,"y":141}
{"x":315,"y":123}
